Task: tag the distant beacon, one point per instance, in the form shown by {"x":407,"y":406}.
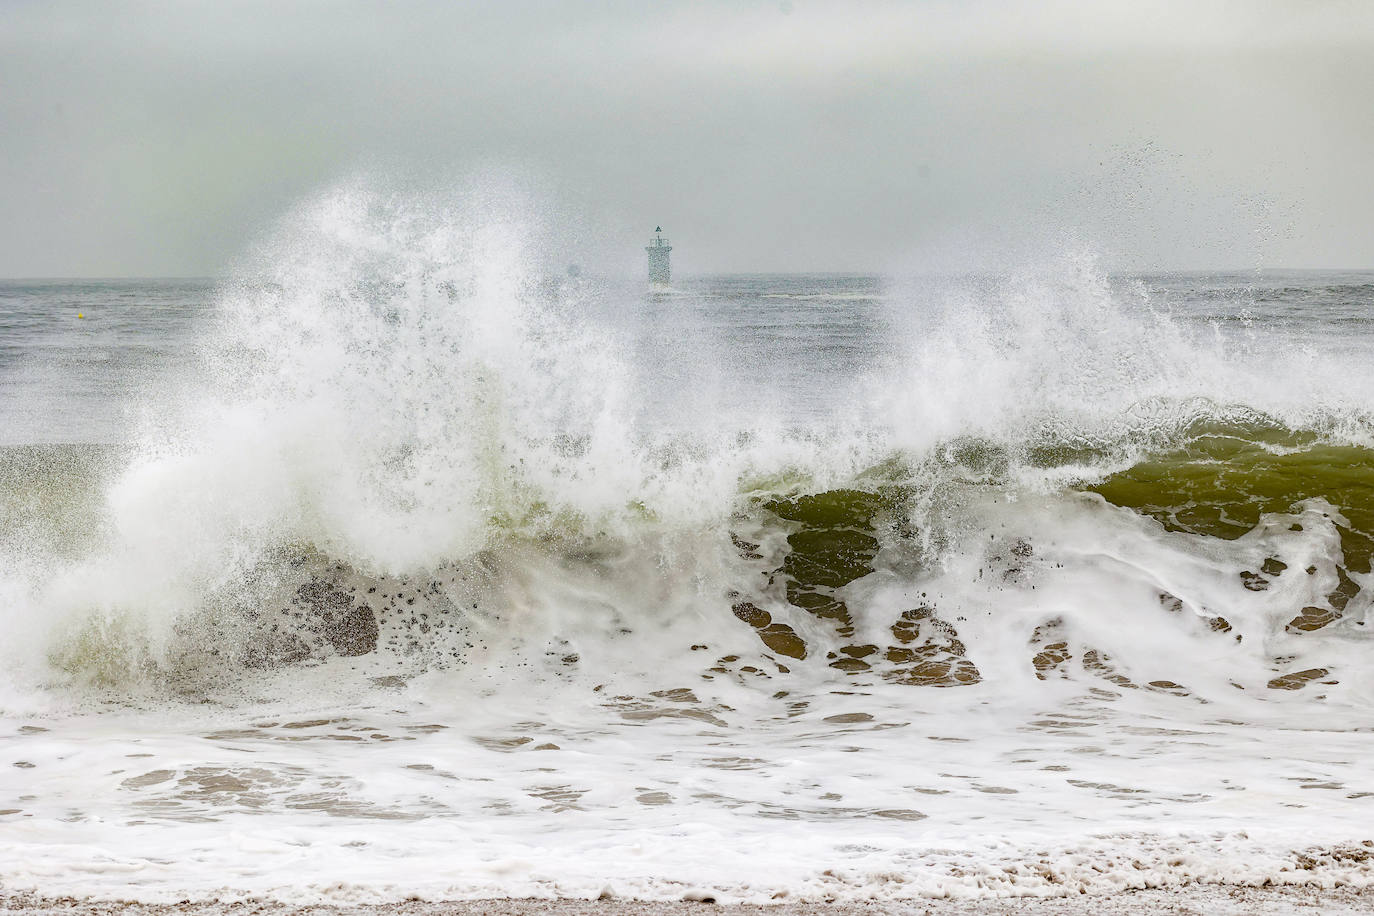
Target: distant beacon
{"x":658,"y":248}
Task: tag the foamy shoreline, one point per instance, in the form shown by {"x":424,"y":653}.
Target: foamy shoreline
{"x":1210,"y":899}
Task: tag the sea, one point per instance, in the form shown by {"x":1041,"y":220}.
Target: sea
{"x":399,"y":564}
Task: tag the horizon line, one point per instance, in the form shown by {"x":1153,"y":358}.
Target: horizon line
{"x":743,"y":273}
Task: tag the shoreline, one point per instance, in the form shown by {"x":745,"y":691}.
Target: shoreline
{"x":1188,"y":900}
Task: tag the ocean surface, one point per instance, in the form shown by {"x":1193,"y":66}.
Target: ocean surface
{"x":400,"y":564}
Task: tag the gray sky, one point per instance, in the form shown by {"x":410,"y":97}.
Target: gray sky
{"x":164,"y":137}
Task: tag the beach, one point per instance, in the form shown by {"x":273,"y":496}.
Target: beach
{"x":1200,"y":900}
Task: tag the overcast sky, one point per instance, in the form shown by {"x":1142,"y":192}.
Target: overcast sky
{"x":162,"y":138}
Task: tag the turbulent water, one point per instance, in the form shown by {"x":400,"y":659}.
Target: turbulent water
{"x":406,"y":564}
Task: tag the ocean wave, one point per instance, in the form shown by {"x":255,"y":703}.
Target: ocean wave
{"x":400,"y":439}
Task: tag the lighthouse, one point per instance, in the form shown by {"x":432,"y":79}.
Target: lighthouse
{"x":658,"y":248}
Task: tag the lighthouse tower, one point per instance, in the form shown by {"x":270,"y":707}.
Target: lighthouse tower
{"x":658,"y":248}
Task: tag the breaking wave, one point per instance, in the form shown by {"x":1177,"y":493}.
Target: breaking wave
{"x":404,"y":441}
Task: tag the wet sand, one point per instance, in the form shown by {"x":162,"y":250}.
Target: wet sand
{"x":1202,"y":900}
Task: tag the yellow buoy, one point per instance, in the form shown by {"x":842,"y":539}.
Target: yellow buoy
{"x":79,"y":315}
